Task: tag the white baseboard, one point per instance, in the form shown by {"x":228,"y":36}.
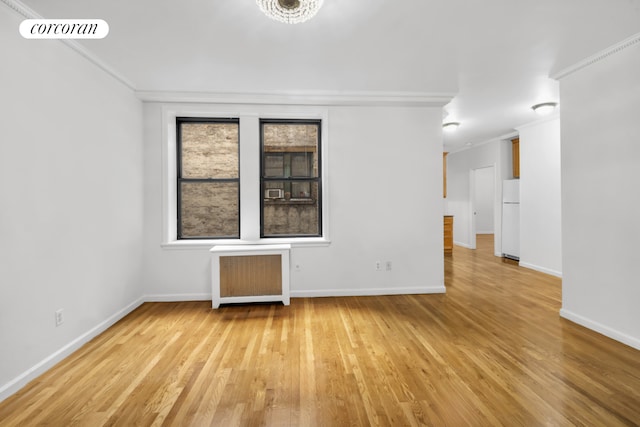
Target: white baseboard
{"x":177,"y":297}
{"x":601,"y":329}
{"x":464,"y":245}
{"x":311,"y":293}
{"x":541,"y":269}
{"x":44,"y":365}
{"x":368,"y":292}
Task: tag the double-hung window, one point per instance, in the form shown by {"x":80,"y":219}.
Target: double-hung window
{"x":290,"y":178}
{"x":208,"y":173}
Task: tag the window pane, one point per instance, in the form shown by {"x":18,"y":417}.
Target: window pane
{"x":291,"y":215}
{"x":302,"y":164}
{"x":274,"y":165}
{"x":209,"y":150}
{"x":297,"y":143}
{"x":300,"y":190}
{"x":209,"y":209}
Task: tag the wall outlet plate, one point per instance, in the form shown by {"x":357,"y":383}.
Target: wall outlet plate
{"x":59,"y":317}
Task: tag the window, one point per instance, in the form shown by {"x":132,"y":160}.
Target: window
{"x":290,"y":178}
{"x":208,"y":178}
{"x":243,"y":174}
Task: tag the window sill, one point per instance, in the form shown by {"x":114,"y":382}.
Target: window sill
{"x":289,"y":202}
{"x":299,"y":242}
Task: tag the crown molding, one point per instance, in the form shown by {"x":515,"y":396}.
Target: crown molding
{"x":326,"y":98}
{"x":509,"y":135}
{"x":549,"y":118}
{"x":618,"y":47}
{"x":22,"y":9}
{"x":29,"y":13}
{"x":504,"y":137}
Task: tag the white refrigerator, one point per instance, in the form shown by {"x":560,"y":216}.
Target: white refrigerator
{"x":511,"y":219}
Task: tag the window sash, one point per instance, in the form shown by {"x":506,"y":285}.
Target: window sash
{"x":288,"y":182}
{"x":183,"y":232}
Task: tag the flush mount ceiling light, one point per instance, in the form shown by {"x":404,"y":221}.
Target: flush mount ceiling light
{"x":544,"y":108}
{"x":290,"y":11}
{"x":450,"y":126}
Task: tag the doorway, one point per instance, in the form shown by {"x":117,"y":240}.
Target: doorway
{"x":483,"y":205}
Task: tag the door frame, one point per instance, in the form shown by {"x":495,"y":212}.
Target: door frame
{"x":472,"y":204}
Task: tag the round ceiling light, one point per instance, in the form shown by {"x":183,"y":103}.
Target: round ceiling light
{"x":290,"y":11}
{"x":544,"y":108}
{"x":450,"y":126}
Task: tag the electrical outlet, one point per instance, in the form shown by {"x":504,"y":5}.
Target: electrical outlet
{"x":378,"y":266}
{"x":59,"y":317}
{"x":388,"y":265}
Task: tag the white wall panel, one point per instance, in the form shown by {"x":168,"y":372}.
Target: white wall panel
{"x":600,"y":196}
{"x":70,"y":201}
{"x":540,"y":210}
{"x":385,"y":204}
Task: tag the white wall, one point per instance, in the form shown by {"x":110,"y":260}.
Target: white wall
{"x":385,"y":192}
{"x":601,"y":196}
{"x":540,"y":210}
{"x":458,"y":202}
{"x":70,"y":201}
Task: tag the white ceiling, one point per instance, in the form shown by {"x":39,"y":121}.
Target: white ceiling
{"x":495,"y":56}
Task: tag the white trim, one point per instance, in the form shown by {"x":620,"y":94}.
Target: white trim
{"x":200,"y":245}
{"x":317,"y":293}
{"x":601,"y":329}
{"x":29,"y":13}
{"x":551,"y":117}
{"x":47,"y":363}
{"x":505,"y":137}
{"x":177,"y":297}
{"x":22,"y":9}
{"x":356,"y":292}
{"x":315,"y":98}
{"x":464,"y":245}
{"x":540,"y":269}
{"x":618,"y":47}
{"x":80,"y":49}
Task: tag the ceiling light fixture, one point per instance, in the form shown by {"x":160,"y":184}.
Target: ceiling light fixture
{"x":544,"y":108}
{"x":450,"y":126}
{"x":290,"y":11}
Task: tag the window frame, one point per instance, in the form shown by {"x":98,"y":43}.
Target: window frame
{"x":249,"y":115}
{"x":291,"y":179}
{"x":180,"y":179}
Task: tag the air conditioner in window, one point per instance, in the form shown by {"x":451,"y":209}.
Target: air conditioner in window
{"x":273,"y":193}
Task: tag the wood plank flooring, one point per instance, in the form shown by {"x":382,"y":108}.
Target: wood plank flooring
{"x":491,"y":351}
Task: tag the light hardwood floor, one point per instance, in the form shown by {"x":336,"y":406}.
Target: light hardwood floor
{"x":491,"y":351}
